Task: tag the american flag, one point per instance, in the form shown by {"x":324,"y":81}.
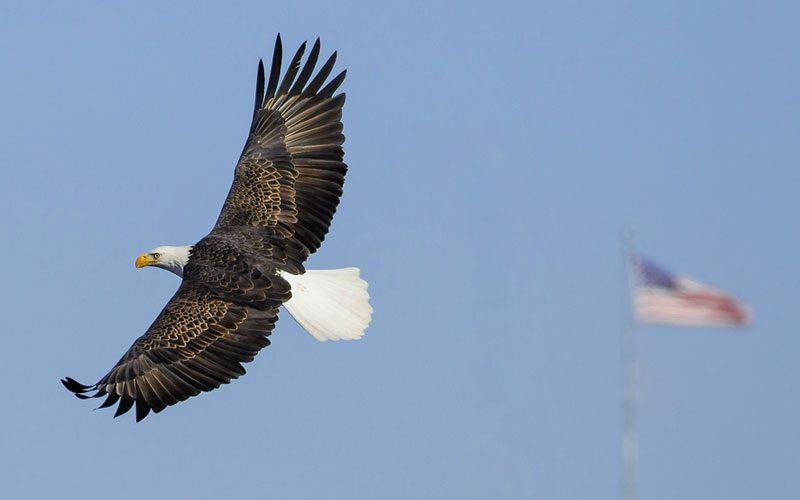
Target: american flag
{"x":663,"y":298}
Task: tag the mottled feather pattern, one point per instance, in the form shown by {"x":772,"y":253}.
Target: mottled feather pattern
{"x":246,"y":278}
{"x":302,"y":121}
{"x":196,"y":344}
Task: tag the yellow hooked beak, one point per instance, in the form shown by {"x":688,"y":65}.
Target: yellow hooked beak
{"x":145,"y":260}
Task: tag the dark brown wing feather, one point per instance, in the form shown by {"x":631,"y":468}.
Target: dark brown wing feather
{"x":197,"y":343}
{"x":290,"y":175}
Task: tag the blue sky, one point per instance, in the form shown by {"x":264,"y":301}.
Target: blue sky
{"x":496,"y":152}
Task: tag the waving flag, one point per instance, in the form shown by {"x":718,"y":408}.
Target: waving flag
{"x":662,"y":298}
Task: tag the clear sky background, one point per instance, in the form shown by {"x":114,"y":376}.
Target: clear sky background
{"x":496,"y":152}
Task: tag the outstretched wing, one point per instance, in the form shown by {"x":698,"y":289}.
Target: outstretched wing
{"x":196,"y":344}
{"x":290,"y":175}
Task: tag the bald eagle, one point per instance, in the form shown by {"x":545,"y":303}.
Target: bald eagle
{"x":285,"y":191}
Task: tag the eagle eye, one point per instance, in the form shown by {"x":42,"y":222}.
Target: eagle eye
{"x":156,"y":255}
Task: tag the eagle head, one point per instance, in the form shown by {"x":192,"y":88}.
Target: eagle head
{"x":172,"y":259}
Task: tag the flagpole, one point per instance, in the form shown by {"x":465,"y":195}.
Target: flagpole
{"x":630,"y":360}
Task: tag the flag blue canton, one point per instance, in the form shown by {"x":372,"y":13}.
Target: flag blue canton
{"x":652,"y":275}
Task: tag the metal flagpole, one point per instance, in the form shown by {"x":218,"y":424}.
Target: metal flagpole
{"x":630,"y":360}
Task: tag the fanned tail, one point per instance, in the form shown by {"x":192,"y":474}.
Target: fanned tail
{"x":331,"y":304}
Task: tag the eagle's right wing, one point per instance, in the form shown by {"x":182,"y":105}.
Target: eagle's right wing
{"x":197,"y":343}
{"x":290,"y":175}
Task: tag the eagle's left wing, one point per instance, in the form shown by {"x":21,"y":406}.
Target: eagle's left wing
{"x":197,"y":343}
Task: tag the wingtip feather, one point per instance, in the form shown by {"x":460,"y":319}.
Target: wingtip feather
{"x":125,"y":404}
{"x":74,"y":386}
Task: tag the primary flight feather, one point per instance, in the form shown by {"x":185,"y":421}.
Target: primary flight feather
{"x":285,"y":191}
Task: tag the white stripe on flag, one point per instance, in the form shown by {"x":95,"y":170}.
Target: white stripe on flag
{"x":689,"y":308}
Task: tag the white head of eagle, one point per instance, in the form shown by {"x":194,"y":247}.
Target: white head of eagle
{"x":172,"y":259}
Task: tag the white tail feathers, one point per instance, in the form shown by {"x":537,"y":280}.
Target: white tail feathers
{"x":331,"y":304}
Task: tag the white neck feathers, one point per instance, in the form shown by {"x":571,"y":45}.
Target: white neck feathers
{"x":173,"y":259}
